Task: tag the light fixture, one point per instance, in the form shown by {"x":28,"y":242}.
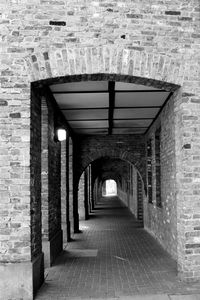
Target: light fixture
{"x":61,"y":134}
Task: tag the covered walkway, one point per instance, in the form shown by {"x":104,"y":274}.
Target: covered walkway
{"x":114,"y":258}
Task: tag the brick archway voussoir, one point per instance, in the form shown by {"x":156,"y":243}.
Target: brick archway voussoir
{"x":52,"y":63}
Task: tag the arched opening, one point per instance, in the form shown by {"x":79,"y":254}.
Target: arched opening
{"x":109,"y":188}
{"x":108,"y":145}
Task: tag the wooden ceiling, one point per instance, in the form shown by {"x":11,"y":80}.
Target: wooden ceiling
{"x":109,"y":107}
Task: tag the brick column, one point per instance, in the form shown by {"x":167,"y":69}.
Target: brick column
{"x":64,"y":188}
{"x":86,"y":194}
{"x":67,"y":192}
{"x":55,"y":236}
{"x":21,"y":258}
{"x":90,"y":188}
{"x":45,"y":181}
{"x":51,"y":183}
{"x":70,"y":172}
{"x":188,"y":183}
{"x":81,"y":200}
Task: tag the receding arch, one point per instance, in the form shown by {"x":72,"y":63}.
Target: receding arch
{"x":112,"y":175}
{"x":115,"y":154}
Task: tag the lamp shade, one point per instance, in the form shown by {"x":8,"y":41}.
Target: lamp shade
{"x":61,"y":134}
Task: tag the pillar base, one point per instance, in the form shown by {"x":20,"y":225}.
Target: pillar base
{"x":52,"y":248}
{"x":21,"y":280}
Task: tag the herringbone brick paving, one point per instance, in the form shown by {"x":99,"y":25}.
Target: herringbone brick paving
{"x":115,"y":258}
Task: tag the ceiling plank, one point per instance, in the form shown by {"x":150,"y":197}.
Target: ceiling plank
{"x":111,"y":90}
{"x":89,"y":128}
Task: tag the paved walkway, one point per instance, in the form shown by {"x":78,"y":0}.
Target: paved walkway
{"x":114,"y":258}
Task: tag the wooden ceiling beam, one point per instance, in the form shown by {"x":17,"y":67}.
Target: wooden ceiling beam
{"x":118,"y":107}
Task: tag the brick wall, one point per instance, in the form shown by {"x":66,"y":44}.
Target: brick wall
{"x":162,"y":221}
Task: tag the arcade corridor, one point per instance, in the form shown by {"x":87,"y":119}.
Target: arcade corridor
{"x":93,"y":91}
{"x":114,"y":258}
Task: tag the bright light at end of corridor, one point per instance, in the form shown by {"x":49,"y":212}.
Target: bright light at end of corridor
{"x":110,"y":188}
{"x":61,"y":135}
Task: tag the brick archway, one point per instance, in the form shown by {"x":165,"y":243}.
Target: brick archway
{"x":159,"y":71}
{"x":47,"y":66}
{"x":116,"y":154}
{"x":162,"y":70}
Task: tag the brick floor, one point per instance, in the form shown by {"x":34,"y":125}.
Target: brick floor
{"x":114,"y":258}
